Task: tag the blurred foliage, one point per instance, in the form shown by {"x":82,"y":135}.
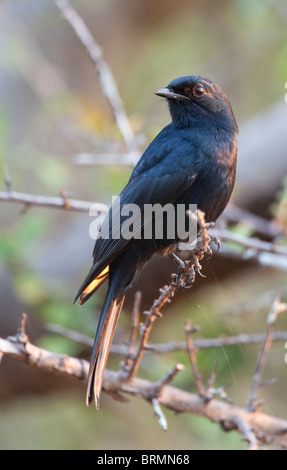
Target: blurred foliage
{"x":51,"y":108}
{"x":65,"y":424}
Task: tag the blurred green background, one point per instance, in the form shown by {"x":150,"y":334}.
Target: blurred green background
{"x":52,"y":109}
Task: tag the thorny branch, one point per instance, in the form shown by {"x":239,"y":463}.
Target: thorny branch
{"x":255,"y":427}
{"x":135,"y":324}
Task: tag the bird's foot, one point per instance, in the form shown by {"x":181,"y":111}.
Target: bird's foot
{"x":217,"y":242}
{"x":177,"y":278}
{"x":196,"y":266}
{"x":183,"y":279}
{"x":189,"y":279}
{"x":209,"y":251}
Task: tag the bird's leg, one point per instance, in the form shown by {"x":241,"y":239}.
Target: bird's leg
{"x":196,"y":265}
{"x":189,"y":278}
{"x":183,"y":279}
{"x":181,"y":266}
{"x":209,"y":250}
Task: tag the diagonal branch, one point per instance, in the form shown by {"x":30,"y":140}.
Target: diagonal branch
{"x":107,"y":81}
{"x":192,"y":357}
{"x":277,"y":308}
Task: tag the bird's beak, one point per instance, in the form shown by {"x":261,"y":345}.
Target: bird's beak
{"x":169,"y":94}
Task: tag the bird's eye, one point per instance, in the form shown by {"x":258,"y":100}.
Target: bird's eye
{"x":198,"y":91}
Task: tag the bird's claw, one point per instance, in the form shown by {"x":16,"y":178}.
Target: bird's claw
{"x":181,"y":266}
{"x":216,"y":242}
{"x":186,"y":282}
{"x":197,"y":267}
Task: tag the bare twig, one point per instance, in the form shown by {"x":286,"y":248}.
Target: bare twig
{"x":66,"y":199}
{"x":252,"y":250}
{"x":107,"y":81}
{"x":30,"y":200}
{"x":248,"y":433}
{"x":249,"y":243}
{"x":211,"y":380}
{"x":261,"y":258}
{"x":135,"y":320}
{"x":266,"y":228}
{"x":276,"y":309}
{"x":166,"y":293}
{"x":161,"y":348}
{"x":192,"y":357}
{"x":20,"y":348}
{"x":75,"y":336}
{"x":158,"y":412}
{"x":220,"y":392}
{"x":145,"y":330}
{"x":134,"y":327}
{"x":167,"y":379}
{"x":21,"y":332}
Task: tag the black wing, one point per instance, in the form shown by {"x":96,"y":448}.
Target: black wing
{"x":161,"y":177}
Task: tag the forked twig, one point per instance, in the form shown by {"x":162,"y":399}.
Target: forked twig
{"x":277,"y":308}
{"x":167,"y":379}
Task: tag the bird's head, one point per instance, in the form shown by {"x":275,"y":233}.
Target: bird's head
{"x":195,"y":99}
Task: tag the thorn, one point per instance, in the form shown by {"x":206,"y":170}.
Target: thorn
{"x":217,"y":242}
{"x":211,"y":380}
{"x":7,"y":179}
{"x":65,"y":197}
{"x":168,"y":378}
{"x":158,"y":412}
{"x":201,"y":275}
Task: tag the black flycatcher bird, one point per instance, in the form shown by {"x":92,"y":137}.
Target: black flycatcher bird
{"x":191,"y":161}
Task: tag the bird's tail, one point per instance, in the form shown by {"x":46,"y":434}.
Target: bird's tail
{"x":104,"y":336}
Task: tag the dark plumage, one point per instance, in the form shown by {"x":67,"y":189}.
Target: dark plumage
{"x":191,"y":161}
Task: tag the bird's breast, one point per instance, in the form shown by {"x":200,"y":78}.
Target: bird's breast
{"x":215,"y":178}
